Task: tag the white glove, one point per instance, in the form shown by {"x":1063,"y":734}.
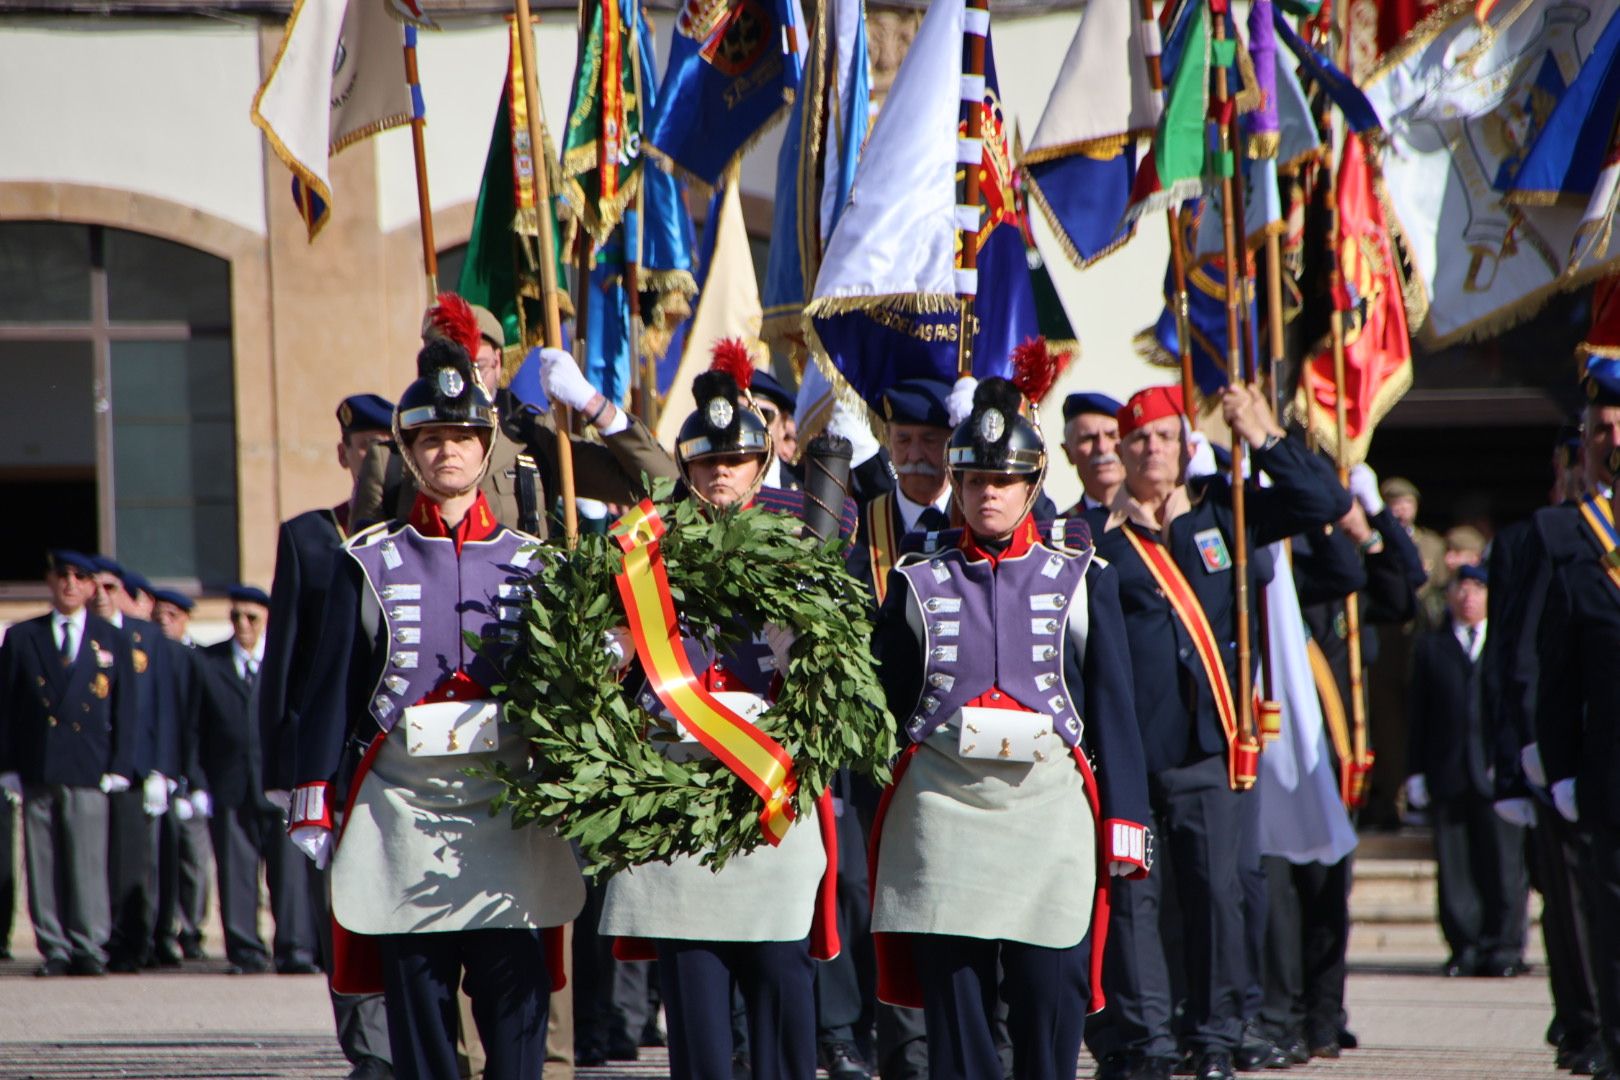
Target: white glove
{"x":1563,"y":793}
{"x":1364,"y":487}
{"x":620,"y":646}
{"x":314,"y":841}
{"x":1121,"y":868}
{"x":1417,"y":791}
{"x":959,"y":404}
{"x":112,"y":783}
{"x":1520,"y":812}
{"x":1201,"y":458}
{"x":11,"y":784}
{"x":779,"y":639}
{"x":202,"y":803}
{"x":1530,"y":762}
{"x":563,"y":381}
{"x":155,"y":795}
{"x":847,"y":423}
{"x":279,"y":799}
{"x":182,"y":808}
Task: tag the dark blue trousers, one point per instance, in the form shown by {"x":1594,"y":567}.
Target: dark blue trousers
{"x":1047,"y":992}
{"x":507,"y":980}
{"x":777,"y":982}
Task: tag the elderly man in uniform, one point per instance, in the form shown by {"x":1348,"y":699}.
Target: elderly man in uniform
{"x":775,"y":404}
{"x":398,"y":714}
{"x":68,"y":727}
{"x":308,"y":547}
{"x":1024,"y":731}
{"x":1091,"y":443}
{"x":1171,"y":543}
{"x":522,"y":466}
{"x":184,"y":848}
{"x":759,"y":923}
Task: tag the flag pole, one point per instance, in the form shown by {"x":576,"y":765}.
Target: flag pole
{"x":1234,"y":375}
{"x":975,"y":31}
{"x":1178,"y":253}
{"x":424,"y":204}
{"x":552,"y":337}
{"x":639,"y":397}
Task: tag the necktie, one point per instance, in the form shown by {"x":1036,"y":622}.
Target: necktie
{"x":932,"y":519}
{"x":67,"y":644}
{"x":250,"y":673}
{"x":1472,"y":634}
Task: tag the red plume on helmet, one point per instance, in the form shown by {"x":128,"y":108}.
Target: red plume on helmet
{"x":1035,"y":368}
{"x":731,"y":358}
{"x":452,"y":319}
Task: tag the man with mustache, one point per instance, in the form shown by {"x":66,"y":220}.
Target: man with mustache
{"x":1091,"y":443}
{"x":918,"y":427}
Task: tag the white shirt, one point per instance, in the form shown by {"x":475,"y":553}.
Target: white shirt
{"x":773,"y":473}
{"x":242,"y":658}
{"x":911,"y":511}
{"x":75,"y":620}
{"x":1461,"y":632}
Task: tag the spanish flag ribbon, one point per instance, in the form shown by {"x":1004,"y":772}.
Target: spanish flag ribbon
{"x":644,"y":587}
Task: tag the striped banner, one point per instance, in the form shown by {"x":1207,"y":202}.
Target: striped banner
{"x":644,"y":587}
{"x":1184,"y":602}
{"x":1599,"y":518}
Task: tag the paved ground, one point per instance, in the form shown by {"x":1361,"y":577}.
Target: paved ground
{"x":202,"y":1023}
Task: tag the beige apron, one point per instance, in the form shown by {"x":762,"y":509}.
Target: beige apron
{"x":421,"y":853}
{"x":994,"y":850}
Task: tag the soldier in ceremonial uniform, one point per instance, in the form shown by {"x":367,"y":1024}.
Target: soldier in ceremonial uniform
{"x":308,"y":547}
{"x":758,"y":922}
{"x":1003,"y":656}
{"x":1171,"y":543}
{"x":132,"y":839}
{"x":1091,"y":443}
{"x":523,"y":456}
{"x":68,"y":725}
{"x":399,"y":707}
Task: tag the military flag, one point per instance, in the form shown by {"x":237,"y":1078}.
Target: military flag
{"x":601,"y":159}
{"x":1464,"y":103}
{"x":1207,"y":283}
{"x":337,"y":77}
{"x":728,"y":308}
{"x":1175,"y":170}
{"x":502,"y":267}
{"x":1081,"y":163}
{"x":1377,"y":346}
{"x":1603,"y":339}
{"x":815,"y":167}
{"x":1359,"y":114}
{"x":888,"y":301}
{"x":734,"y":68}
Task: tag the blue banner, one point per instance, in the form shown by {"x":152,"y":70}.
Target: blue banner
{"x":1570,"y":149}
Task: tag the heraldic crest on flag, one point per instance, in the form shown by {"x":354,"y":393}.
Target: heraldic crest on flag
{"x":1464,"y":104}
{"x":889,"y":297}
{"x":337,"y":78}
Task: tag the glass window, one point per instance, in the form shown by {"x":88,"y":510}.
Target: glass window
{"x":118,"y":421}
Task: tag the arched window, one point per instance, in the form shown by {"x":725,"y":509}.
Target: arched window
{"x":117,"y":402}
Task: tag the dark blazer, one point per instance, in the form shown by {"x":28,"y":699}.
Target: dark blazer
{"x":67,"y":725}
{"x":1171,"y":686}
{"x":1446,"y":738}
{"x":305,"y":553}
{"x":228,"y":745}
{"x":157,"y":747}
{"x":183,"y":664}
{"x":1577,"y":720}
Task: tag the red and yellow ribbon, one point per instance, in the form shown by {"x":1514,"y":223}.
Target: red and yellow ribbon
{"x":1184,"y":602}
{"x":754,"y":756}
{"x":1599,"y":518}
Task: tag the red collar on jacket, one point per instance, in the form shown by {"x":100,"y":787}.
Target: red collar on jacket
{"x":479,"y":524}
{"x":1024,"y":536}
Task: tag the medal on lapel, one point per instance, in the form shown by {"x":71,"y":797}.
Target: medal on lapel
{"x":101,"y":685}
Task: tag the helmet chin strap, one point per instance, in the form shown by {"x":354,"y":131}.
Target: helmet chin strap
{"x":424,"y":484}
{"x":1037,"y":479}
{"x":745,"y":498}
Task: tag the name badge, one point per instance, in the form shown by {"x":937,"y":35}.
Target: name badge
{"x":1212,"y":549}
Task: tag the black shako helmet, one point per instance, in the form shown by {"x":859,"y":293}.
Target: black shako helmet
{"x":726,"y":420}
{"x":446,"y":393}
{"x":1003,"y":434}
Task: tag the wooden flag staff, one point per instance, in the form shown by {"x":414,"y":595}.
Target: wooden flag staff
{"x":976,"y":31}
{"x":424,"y":204}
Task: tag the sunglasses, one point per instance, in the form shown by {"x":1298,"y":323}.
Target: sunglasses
{"x":249,"y":617}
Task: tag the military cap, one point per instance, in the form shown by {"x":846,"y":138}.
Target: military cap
{"x":248,"y":594}
{"x":997,"y":437}
{"x":171,"y":596}
{"x":1602,"y":381}
{"x":764,"y":385}
{"x":1474,"y":572}
{"x":1146,"y":406}
{"x":917,"y":401}
{"x":135,"y":582}
{"x":101,"y":564}
{"x":365,"y":412}
{"x":63,"y":558}
{"x":1465,"y":538}
{"x":1089,"y":402}
{"x":1398,"y":487}
{"x":489,"y":327}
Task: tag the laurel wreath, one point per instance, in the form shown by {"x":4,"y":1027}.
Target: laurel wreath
{"x":596,"y":774}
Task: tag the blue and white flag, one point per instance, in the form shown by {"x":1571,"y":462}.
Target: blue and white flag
{"x":815,"y":168}
{"x":888,"y":299}
{"x":734,"y":68}
{"x":1081,"y":162}
{"x":338,"y":77}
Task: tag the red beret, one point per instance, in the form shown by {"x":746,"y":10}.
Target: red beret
{"x":1146,"y":406}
